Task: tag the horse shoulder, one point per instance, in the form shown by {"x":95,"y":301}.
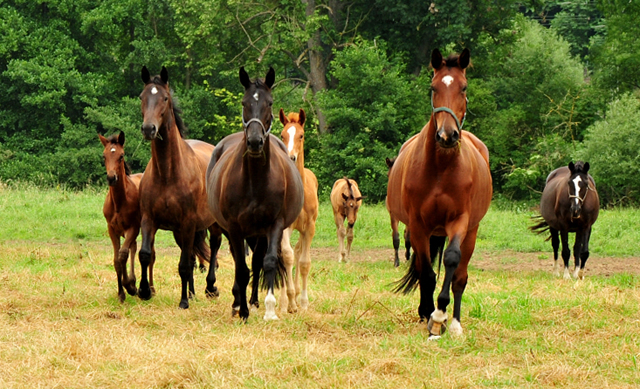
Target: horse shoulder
{"x":479,"y":145}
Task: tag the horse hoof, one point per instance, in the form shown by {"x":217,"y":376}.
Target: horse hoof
{"x":144,"y":294}
{"x":184,"y":304}
{"x":434,"y":337}
{"x":132,"y":290}
{"x":269,"y":316}
{"x":212,"y":293}
{"x":235,"y":311}
{"x":254,"y":308}
{"x":121,"y":297}
{"x":435,"y":328}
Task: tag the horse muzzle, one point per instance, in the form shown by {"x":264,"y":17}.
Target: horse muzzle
{"x":447,"y":139}
{"x":112,"y":179}
{"x":149,"y":131}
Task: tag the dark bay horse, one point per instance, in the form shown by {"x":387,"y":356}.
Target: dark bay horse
{"x":173,"y":190}
{"x":395,"y":235}
{"x":569,"y":203}
{"x":305,"y":224}
{"x":346,"y":200}
{"x":255,"y":192}
{"x":440,"y":186}
{"x":122,"y":211}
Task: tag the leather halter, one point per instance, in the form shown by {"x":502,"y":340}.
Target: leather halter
{"x":265,"y":131}
{"x":577,"y":196}
{"x":449,"y":111}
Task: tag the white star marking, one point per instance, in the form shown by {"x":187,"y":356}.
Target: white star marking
{"x":448,"y":80}
{"x":154,"y":90}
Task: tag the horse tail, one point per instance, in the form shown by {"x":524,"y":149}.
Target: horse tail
{"x":281,"y":272}
{"x":438,"y":243}
{"x":409,"y":282}
{"x":541,"y":227}
{"x":200,"y":247}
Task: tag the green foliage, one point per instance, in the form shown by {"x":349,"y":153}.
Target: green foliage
{"x":371,"y":111}
{"x":611,"y":148}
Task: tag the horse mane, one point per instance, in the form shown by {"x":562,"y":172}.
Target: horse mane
{"x":452,"y":60}
{"x":294,"y":117}
{"x":177,"y":112}
{"x":259,"y":82}
{"x":350,"y":188}
{"x":113,"y":139}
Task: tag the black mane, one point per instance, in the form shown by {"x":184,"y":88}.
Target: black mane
{"x":452,"y":60}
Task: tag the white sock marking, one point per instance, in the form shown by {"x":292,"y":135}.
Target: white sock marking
{"x":292,"y":133}
{"x":270,"y":306}
{"x":567,"y":275}
{"x":448,"y":80}
{"x":439,"y":316}
{"x":576,"y":273}
{"x":154,"y":90}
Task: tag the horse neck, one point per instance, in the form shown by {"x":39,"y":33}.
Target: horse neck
{"x":118,"y":192}
{"x":435,"y":154}
{"x":256,"y":170}
{"x":300,"y":163}
{"x":167,"y":153}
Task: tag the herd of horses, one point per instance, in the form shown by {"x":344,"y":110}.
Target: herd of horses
{"x":253,"y":188}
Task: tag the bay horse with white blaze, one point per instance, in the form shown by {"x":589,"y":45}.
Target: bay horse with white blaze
{"x":305,"y":224}
{"x":173,"y":190}
{"x":122,"y":211}
{"x":440,"y":186}
{"x":569,"y":203}
{"x":255,"y":192}
{"x":346,"y":200}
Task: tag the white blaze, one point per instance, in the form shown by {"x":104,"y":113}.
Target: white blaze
{"x":292,"y":133}
{"x":154,"y":90}
{"x":256,"y":95}
{"x":577,"y":187}
{"x":448,"y":80}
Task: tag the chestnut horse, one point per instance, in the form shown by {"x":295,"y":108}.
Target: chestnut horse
{"x":254,"y":192}
{"x":395,"y":235}
{"x":305,"y":224}
{"x":569,"y":203}
{"x":346,"y":200}
{"x":440,"y":186}
{"x":122,"y":211}
{"x":173,"y":191}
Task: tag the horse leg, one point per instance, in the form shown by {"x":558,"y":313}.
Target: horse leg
{"x":215,"y":240}
{"x":151,"y":265}
{"x":129,"y":250}
{"x":303,"y":263}
{"x":584,"y":255}
{"x":555,"y":243}
{"x":241,"y":279}
{"x":146,"y":256}
{"x":459,"y":282}
{"x":272,"y":266}
{"x":425,"y":274}
{"x":341,"y":234}
{"x":566,"y":253}
{"x":407,"y":243}
{"x":117,"y":262}
{"x":185,"y":239}
{"x":288,"y":294}
{"x":577,"y":250}
{"x":349,"y":240}
{"x":259,"y":248}
{"x":395,"y":236}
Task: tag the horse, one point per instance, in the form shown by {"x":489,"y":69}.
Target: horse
{"x":569,"y":203}
{"x":346,"y":200}
{"x":172,"y":191}
{"x":254,"y":192}
{"x":440,"y":187}
{"x":305,"y":224}
{"x":122,"y":211}
{"x":395,"y":236}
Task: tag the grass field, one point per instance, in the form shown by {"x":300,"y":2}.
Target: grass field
{"x":61,"y":324}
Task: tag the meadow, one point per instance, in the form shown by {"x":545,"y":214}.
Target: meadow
{"x":61,"y":324}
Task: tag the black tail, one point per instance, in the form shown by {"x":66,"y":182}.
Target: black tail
{"x":436,"y":244}
{"x":281,"y":272}
{"x":409,"y":282}
{"x":200,"y":247}
{"x":541,"y":227}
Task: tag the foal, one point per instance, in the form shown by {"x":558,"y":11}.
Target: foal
{"x":346,"y":200}
{"x":293,"y":138}
{"x":122,"y":211}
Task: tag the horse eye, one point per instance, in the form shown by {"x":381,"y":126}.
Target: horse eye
{"x":301,"y":136}
{"x":166,"y":98}
{"x":464,"y":89}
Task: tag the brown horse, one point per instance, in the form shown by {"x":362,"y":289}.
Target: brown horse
{"x":440,"y":186}
{"x":569,"y":203}
{"x":122,"y":211}
{"x":173,"y":191}
{"x":346,"y":200}
{"x":305,"y":224}
{"x":395,"y":235}
{"x":254,"y":192}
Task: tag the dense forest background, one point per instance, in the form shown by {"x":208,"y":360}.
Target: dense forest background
{"x":551,"y":81}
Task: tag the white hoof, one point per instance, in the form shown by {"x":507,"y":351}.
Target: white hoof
{"x":455,"y":328}
{"x":270,"y":307}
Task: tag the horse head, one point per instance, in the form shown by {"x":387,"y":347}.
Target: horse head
{"x":351,"y":204}
{"x":293,"y":132}
{"x":256,"y":111}
{"x":449,"y":96}
{"x":159,"y":113}
{"x":578,"y":187}
{"x":113,"y":156}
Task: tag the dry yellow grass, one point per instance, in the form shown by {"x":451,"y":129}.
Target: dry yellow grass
{"x":61,"y":326}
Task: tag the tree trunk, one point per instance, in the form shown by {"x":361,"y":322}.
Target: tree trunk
{"x":317,"y":66}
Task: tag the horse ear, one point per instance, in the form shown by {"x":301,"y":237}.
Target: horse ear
{"x":344,"y":196}
{"x":146,"y":77}
{"x":586,"y":167}
{"x":103,"y":140}
{"x":464,"y":58}
{"x":283,"y":117}
{"x":302,"y":117}
{"x":121,"y":138}
{"x":270,"y":79}
{"x":164,"y":75}
{"x":244,"y":78}
{"x":360,"y":198}
{"x":436,"y":59}
{"x":572,"y":167}
{"x":389,"y":162}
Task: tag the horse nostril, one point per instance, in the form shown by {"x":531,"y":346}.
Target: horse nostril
{"x":455,"y":136}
